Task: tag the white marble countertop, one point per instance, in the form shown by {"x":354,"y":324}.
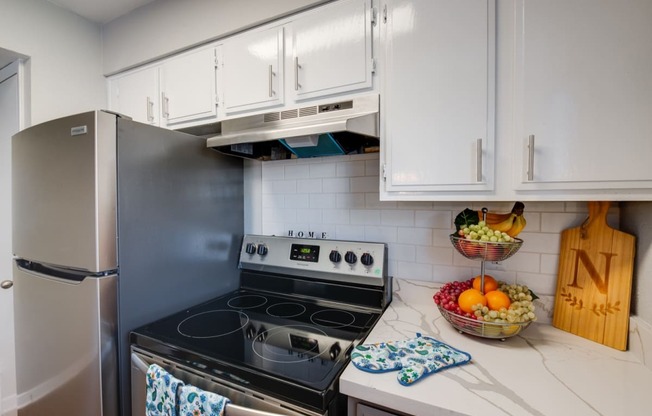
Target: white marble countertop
{"x":542,"y":371}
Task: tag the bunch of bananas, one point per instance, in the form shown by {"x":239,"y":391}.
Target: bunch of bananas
{"x":511,"y":223}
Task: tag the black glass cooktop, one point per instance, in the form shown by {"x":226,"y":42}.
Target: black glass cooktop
{"x":286,"y":346}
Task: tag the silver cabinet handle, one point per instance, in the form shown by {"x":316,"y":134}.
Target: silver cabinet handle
{"x":530,"y":158}
{"x":296,"y":73}
{"x":166,"y":105}
{"x":478,"y":160}
{"x":271,"y":75}
{"x":6,"y":284}
{"x":150,"y":106}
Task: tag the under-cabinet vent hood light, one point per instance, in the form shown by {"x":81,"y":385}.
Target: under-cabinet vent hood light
{"x":352,"y":125}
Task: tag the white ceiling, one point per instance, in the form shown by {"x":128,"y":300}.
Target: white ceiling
{"x":100,"y":11}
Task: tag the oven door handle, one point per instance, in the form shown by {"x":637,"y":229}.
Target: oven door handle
{"x":138,"y":362}
{"x":235,"y":410}
{"x":230,"y":409}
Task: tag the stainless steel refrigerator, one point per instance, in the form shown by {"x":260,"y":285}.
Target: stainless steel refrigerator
{"x":115,"y":224}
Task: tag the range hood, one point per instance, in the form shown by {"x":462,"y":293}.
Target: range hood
{"x":330,"y":128}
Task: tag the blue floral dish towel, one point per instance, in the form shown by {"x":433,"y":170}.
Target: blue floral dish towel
{"x":162,"y":389}
{"x":413,"y":358}
{"x":197,"y":402}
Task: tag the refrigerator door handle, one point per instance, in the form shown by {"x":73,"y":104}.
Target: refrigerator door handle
{"x":54,"y":274}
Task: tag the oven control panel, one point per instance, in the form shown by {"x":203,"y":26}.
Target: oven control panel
{"x":351,"y":261}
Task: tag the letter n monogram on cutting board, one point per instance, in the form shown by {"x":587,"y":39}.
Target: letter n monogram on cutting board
{"x":594,"y":280}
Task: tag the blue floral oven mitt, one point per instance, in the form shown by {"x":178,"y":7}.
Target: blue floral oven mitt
{"x":413,"y":358}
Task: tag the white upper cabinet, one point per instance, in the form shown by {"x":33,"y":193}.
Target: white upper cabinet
{"x":583,"y":95}
{"x":176,"y":93}
{"x":253,"y":70}
{"x":189,"y":87}
{"x":136,"y":95}
{"x":437,"y":98}
{"x":331,"y":50}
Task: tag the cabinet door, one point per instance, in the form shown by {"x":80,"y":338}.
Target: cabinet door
{"x":331,"y":49}
{"x":253,"y":70}
{"x":135,"y":94}
{"x":437,"y":97}
{"x":583,"y":94}
{"x":188,"y":87}
{"x":364,"y":410}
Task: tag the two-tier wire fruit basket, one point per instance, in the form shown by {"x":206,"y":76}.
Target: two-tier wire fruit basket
{"x":484,"y":251}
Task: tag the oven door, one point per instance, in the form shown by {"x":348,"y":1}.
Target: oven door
{"x":243,"y":402}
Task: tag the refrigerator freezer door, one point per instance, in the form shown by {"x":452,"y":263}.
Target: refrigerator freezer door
{"x":64,"y":192}
{"x":65,"y":345}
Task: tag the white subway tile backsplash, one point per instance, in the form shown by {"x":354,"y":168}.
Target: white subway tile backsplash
{"x":557,"y":222}
{"x":351,"y":169}
{"x":397,"y":217}
{"x":435,"y":255}
{"x":350,"y":232}
{"x":434,"y":219}
{"x":324,"y":201}
{"x":297,"y":171}
{"x":323,"y":170}
{"x":353,"y":201}
{"x":339,"y":196}
{"x":336,"y":216}
{"x":549,"y":263}
{"x":365,"y":184}
{"x":272,"y":200}
{"x":539,"y":243}
{"x":280,"y":187}
{"x":297,"y":200}
{"x":365,"y":217}
{"x":372,"y":168}
{"x":380,"y":233}
{"x":372,"y":200}
{"x":414,"y":271}
{"x":272,"y":172}
{"x":412,"y":235}
{"x":336,"y":185}
{"x":402,"y":252}
{"x":309,"y":186}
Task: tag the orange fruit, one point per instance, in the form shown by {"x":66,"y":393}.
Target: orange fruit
{"x":470,"y":298}
{"x":497,"y":300}
{"x":489,"y":283}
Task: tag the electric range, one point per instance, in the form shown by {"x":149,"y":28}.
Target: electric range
{"x":287,"y":332}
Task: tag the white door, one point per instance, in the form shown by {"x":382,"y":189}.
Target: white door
{"x":136,"y":95}
{"x":189,"y":87}
{"x":332,"y":49}
{"x":9,"y":124}
{"x":253,"y":70}
{"x":437,"y":96}
{"x":583,"y":94}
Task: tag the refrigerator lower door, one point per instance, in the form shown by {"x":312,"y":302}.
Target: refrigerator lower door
{"x":65,"y":344}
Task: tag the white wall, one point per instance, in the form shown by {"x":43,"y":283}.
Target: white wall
{"x":165,"y":26}
{"x":65,"y":57}
{"x":636,"y":218}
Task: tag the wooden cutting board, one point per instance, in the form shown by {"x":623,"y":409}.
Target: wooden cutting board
{"x":594,"y":281}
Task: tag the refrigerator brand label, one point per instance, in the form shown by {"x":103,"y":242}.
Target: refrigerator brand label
{"x":76,"y":131}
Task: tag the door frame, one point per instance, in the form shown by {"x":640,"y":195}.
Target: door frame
{"x":18,"y":68}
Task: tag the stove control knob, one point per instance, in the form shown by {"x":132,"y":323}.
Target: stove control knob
{"x":350,"y":257}
{"x":250,"y":248}
{"x":262,"y":334}
{"x":367,"y":259}
{"x":335,"y":351}
{"x":335,"y":256}
{"x":262,"y":250}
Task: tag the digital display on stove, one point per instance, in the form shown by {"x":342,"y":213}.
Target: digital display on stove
{"x":303,"y":252}
{"x":303,"y":343}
